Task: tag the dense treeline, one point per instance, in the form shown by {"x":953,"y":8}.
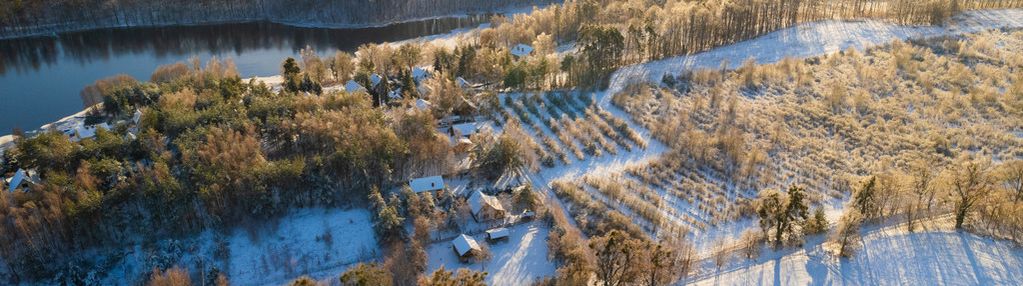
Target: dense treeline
{"x":210,"y":151}
{"x":29,"y":17}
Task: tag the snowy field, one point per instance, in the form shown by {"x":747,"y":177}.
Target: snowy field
{"x":924,"y":258}
{"x":318,"y":242}
{"x":520,"y":260}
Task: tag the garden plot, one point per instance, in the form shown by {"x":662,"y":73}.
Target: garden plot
{"x":566,"y":128}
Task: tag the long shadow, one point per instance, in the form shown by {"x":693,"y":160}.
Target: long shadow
{"x":978,"y":269}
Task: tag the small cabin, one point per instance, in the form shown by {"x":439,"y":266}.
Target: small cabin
{"x":465,"y":247}
{"x":485,"y":207}
{"x":427,"y":184}
{"x":497,"y":234}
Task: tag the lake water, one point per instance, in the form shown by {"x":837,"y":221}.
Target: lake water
{"x":41,"y":77}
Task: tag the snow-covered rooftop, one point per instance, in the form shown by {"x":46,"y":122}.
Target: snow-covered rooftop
{"x":465,"y":129}
{"x":427,"y":184}
{"x":419,"y":73}
{"x":352,"y":86}
{"x":478,"y":199}
{"x":521,"y":50}
{"x":497,"y":233}
{"x":375,"y":79}
{"x":15,"y":181}
{"x":423,"y":104}
{"x":464,"y":244}
{"x":82,"y":131}
{"x":135,"y":118}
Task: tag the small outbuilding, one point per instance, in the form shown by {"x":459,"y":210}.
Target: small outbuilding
{"x":464,"y":130}
{"x":485,"y":207}
{"x":427,"y":184}
{"x":465,"y":246}
{"x":497,"y":234}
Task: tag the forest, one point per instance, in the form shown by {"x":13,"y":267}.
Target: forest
{"x":906,"y":131}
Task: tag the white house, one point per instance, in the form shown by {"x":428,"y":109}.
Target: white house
{"x":521,"y":51}
{"x":485,"y":207}
{"x":465,"y":246}
{"x":427,"y":184}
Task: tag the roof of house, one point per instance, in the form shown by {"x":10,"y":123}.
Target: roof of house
{"x":375,"y":79}
{"x":464,"y":244}
{"x":521,"y":50}
{"x":478,"y":199}
{"x":15,"y":181}
{"x":21,"y":176}
{"x":423,"y":104}
{"x":137,"y":116}
{"x":427,"y":184}
{"x":466,"y":129}
{"x":352,"y":86}
{"x":82,"y":131}
{"x":498,"y":233}
{"x":419,"y":73}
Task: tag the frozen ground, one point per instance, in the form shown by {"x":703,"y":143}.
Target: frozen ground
{"x":318,"y":242}
{"x":889,"y":256}
{"x":520,"y":260}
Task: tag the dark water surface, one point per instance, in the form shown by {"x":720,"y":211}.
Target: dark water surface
{"x":41,"y":77}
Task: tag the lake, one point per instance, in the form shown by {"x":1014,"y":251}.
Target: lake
{"x":41,"y":77}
